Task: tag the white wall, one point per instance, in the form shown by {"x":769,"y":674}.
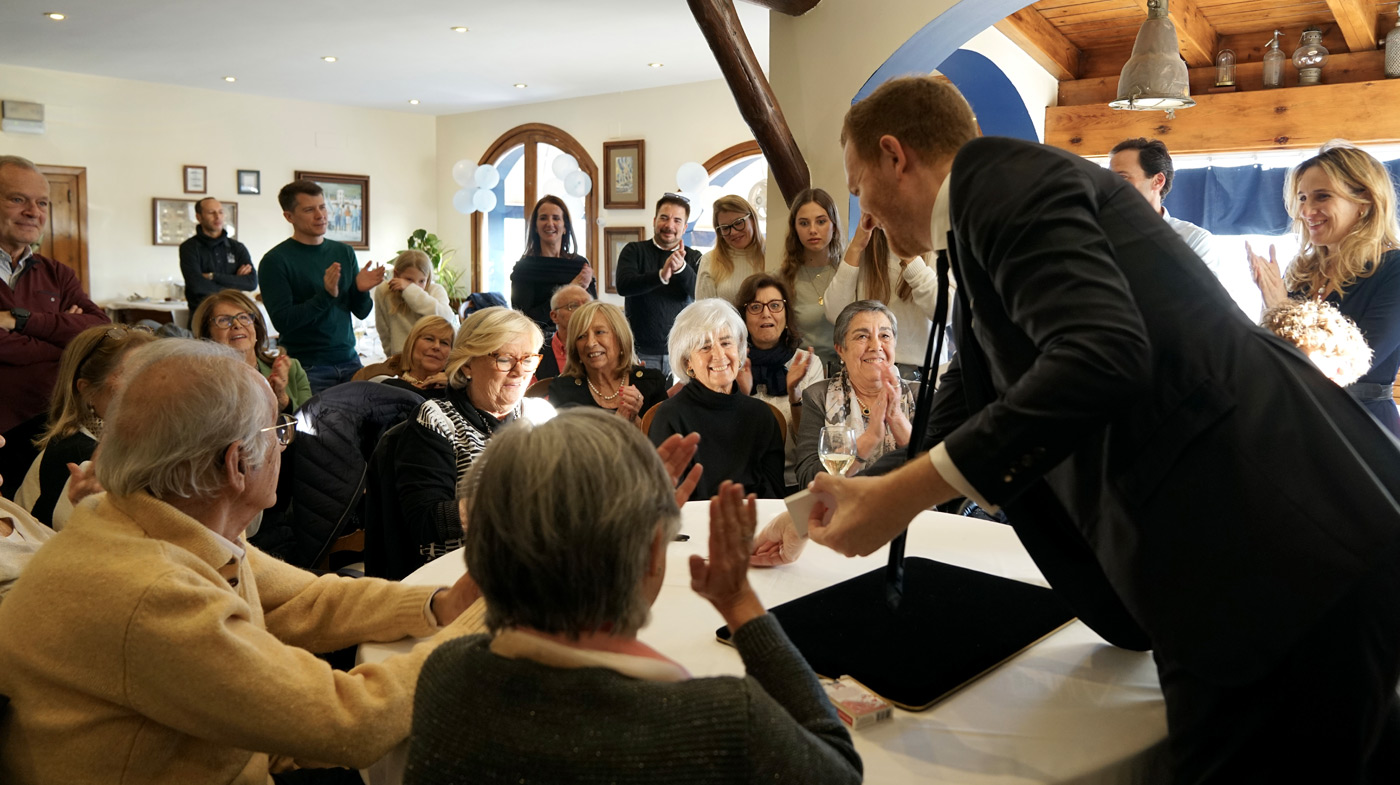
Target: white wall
{"x":681,"y":123}
{"x":135,"y":137}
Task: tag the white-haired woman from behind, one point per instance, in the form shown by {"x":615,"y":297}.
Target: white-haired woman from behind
{"x":740,"y":439}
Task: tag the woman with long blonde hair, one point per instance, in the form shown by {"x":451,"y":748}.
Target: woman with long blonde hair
{"x":738,"y":251}
{"x":811,"y":255}
{"x":1342,"y":203}
{"x":408,"y":296}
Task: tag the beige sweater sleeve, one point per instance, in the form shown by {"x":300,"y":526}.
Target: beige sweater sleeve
{"x":195,"y":660}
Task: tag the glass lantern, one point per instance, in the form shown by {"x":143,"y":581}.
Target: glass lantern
{"x":1225,"y":68}
{"x":1309,"y":57}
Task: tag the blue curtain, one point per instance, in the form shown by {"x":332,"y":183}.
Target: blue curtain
{"x":1236,"y":199}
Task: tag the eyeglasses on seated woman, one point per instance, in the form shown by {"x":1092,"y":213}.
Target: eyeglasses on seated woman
{"x":231,"y":318}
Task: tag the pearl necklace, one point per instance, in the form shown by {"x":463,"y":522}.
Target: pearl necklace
{"x":600,"y":395}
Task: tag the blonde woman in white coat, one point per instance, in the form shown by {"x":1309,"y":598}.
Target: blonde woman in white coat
{"x":410,"y":295}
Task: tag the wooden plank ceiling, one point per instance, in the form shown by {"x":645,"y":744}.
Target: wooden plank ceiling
{"x":1084,"y":43}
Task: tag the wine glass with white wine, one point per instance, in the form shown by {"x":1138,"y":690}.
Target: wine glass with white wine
{"x":837,"y":449}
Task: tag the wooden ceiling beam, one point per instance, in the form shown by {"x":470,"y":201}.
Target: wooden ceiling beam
{"x":1195,"y":35}
{"x":789,"y":7}
{"x":1286,"y":118}
{"x":1039,"y":39}
{"x":1357,"y":20}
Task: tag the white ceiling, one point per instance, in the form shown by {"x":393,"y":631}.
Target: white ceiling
{"x":388,"y":52}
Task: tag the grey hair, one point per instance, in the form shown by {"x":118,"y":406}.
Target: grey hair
{"x":188,"y":401}
{"x":567,"y":563}
{"x":702,"y":321}
{"x":843,"y":321}
{"x":15,"y":160}
{"x":565,"y":289}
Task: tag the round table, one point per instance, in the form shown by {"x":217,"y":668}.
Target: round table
{"x":1070,"y":709}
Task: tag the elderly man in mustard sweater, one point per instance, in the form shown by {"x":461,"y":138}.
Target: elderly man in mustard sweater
{"x":148,"y":642}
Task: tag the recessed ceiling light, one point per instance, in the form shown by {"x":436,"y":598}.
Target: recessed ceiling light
{"x":56,"y":16}
{"x":329,"y":58}
{"x":521,"y":85}
{"x":230,"y":79}
{"x":413,"y":101}
{"x":655,"y":65}
{"x":459,"y":29}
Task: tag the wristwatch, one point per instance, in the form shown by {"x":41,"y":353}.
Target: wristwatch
{"x":21,"y":316}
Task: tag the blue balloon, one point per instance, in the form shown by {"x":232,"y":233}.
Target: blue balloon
{"x":462,"y":202}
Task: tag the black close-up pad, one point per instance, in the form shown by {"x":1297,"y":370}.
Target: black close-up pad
{"x":952,"y":626}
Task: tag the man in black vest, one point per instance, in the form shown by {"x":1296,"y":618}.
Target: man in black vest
{"x":210,"y":260}
{"x":1187,"y":481}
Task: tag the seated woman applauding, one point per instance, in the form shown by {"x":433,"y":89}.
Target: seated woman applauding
{"x":487,"y":373}
{"x":739,"y":435}
{"x":562,"y":691}
{"x":866,"y":395}
{"x":423,"y":362}
{"x":230,"y":318}
{"x":87,"y":382}
{"x":778,"y":370}
{"x":601,"y":369}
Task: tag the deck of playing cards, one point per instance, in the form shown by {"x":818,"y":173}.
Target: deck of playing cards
{"x":855,"y":705}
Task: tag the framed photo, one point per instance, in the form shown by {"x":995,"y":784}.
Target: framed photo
{"x":347,"y":201}
{"x":624,"y":175}
{"x":194,"y":180}
{"x":249,"y":181}
{"x":614,"y":238}
{"x":173,"y":221}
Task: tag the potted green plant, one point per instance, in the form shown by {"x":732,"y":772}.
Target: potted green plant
{"x":449,"y":277}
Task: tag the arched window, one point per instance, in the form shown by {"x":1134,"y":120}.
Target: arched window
{"x":525,"y":157}
{"x":740,"y":170}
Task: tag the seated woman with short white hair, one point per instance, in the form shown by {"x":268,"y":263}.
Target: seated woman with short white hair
{"x":562,"y":690}
{"x":740,"y":439}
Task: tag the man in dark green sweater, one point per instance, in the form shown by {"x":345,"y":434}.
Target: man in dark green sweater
{"x":308,"y":297}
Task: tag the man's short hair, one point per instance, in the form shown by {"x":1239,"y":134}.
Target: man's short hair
{"x":1152,"y":157}
{"x":926,"y":114}
{"x":564,"y":291}
{"x":20,"y":161}
{"x":199,"y":205}
{"x":287,"y":197}
{"x":677,"y":200}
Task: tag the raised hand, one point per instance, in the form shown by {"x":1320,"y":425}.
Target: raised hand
{"x":674,"y":263}
{"x":723,"y":579}
{"x":281,"y":369}
{"x":332,"y":279}
{"x":676,"y":453}
{"x":370,"y":277}
{"x":859,"y":240}
{"x":874,"y":428}
{"x":584,"y":277}
{"x":399,"y":284}
{"x":82,"y":481}
{"x":797,"y":372}
{"x":630,"y":401}
{"x":1267,"y":276}
{"x":745,"y":377}
{"x":896,"y":420}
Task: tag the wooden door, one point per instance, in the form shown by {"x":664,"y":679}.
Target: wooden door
{"x":65,"y":239}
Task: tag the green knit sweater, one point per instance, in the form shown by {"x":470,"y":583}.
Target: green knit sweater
{"x":314,"y":327}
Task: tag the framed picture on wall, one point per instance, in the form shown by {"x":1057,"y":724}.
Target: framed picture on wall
{"x":624,"y":175}
{"x":173,"y":221}
{"x":614,"y":238}
{"x":347,"y":202}
{"x":194,"y":180}
{"x":249,"y":181}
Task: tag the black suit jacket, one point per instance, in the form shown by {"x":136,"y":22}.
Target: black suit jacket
{"x":1183,"y":477}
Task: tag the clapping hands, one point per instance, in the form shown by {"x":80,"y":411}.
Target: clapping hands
{"x":1267,"y":276}
{"x":723,"y":579}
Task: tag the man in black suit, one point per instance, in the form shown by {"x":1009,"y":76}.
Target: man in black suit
{"x":1185,"y":480}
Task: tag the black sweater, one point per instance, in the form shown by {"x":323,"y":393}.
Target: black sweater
{"x":739,"y":439}
{"x":652,"y":305}
{"x":572,"y":391}
{"x":534,"y":280}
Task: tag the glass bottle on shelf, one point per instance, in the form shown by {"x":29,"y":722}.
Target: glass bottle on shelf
{"x":1273,"y":63}
{"x":1392,"y":52}
{"x":1225,"y":68}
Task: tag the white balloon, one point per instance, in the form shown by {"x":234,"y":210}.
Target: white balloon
{"x":692,"y":177}
{"x":462,"y":201}
{"x":487,"y":176}
{"x":484,"y":199}
{"x":564,"y":165}
{"x":578,"y":184}
{"x":462,"y":173}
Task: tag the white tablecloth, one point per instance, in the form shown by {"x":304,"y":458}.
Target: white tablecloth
{"x":1072,"y":709}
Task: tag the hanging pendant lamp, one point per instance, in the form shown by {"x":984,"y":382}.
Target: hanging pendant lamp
{"x":1155,"y":76}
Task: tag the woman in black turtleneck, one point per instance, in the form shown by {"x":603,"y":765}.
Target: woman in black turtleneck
{"x":739,"y":435}
{"x":549,"y":263}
